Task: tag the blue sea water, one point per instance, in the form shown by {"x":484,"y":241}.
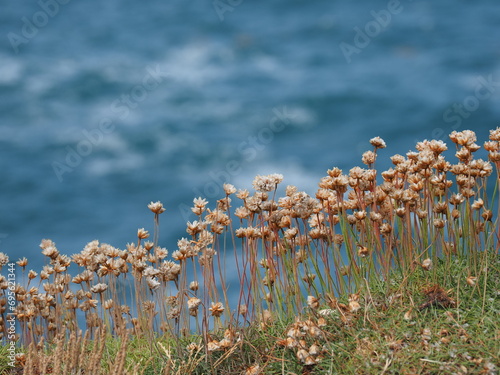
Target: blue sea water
{"x":107,"y":106}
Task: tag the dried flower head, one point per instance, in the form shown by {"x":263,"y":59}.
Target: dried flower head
{"x":408,"y":315}
{"x":213,"y":346}
{"x":23,"y":262}
{"x":495,"y":134}
{"x":194,"y":285}
{"x":4,"y":259}
{"x":302,"y":355}
{"x":199,"y":205}
{"x":156,"y":207}
{"x":50,"y":251}
{"x":478,"y":204}
{"x":439,"y":223}
{"x":471,"y":280}
{"x":385,"y":228}
{"x":242,"y":309}
{"x":142,"y":233}
{"x":312,"y":302}
{"x":267,"y":183}
{"x":354,"y":306}
{"x":377,"y":142}
{"x":363,"y":251}
{"x":193,"y":303}
{"x":369,"y":157}
{"x":463,"y":138}
{"x":98,"y":288}
{"x":217,"y":309}
{"x":253,"y":370}
{"x":487,"y":215}
{"x":427,"y":264}
{"x":315,"y":350}
{"x":153,"y":282}
{"x":229,"y":189}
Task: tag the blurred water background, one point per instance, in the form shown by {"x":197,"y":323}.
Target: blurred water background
{"x":107,"y":106}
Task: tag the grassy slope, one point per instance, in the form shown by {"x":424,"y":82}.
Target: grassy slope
{"x":390,"y":334}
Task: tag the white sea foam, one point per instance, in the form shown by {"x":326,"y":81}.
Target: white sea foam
{"x":193,"y":63}
{"x":10,"y":70}
{"x":101,"y":166}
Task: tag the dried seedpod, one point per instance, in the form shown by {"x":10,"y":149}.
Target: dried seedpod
{"x":471,"y":280}
{"x":427,"y":264}
{"x":312,"y":302}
